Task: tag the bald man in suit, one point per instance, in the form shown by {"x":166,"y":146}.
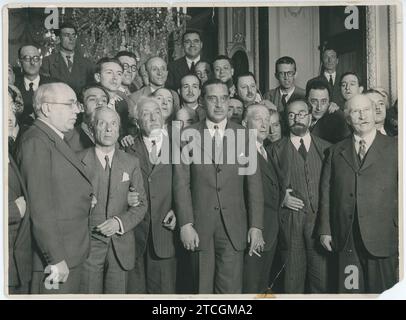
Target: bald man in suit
{"x":60,"y":192}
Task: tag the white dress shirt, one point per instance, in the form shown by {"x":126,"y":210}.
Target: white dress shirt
{"x":221,"y":127}
{"x":189,"y":61}
{"x":289,"y":93}
{"x":261,"y":149}
{"x":307,"y":139}
{"x":333,"y":75}
{"x":35,"y":83}
{"x":158,"y":139}
{"x":369,"y":139}
{"x":71,"y":55}
{"x":101,"y":156}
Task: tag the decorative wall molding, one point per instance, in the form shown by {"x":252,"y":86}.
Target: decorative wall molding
{"x":392,"y":22}
{"x":371,"y":46}
{"x":294,"y":12}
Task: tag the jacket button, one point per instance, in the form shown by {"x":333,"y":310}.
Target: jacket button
{"x":216,"y":208}
{"x":218,"y":170}
{"x":149,"y":179}
{"x":218,"y":189}
{"x":351,"y":195}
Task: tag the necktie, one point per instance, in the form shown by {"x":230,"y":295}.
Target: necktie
{"x":217,"y":136}
{"x":70,"y":63}
{"x":31,"y":88}
{"x":107,"y":170}
{"x":284,"y":101}
{"x":263,"y":152}
{"x":192,"y":67}
{"x":153,"y":156}
{"x":330,"y":81}
{"x":302,"y":149}
{"x":362,"y":150}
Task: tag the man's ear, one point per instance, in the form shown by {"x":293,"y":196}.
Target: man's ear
{"x":97,"y":77}
{"x":232,"y":71}
{"x":361,"y":89}
{"x":45,"y":109}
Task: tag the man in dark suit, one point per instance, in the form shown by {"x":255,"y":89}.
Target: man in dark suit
{"x":19,"y":233}
{"x":112,"y":220}
{"x":330,"y":126}
{"x":298,"y":160}
{"x":109,"y":75}
{"x":330,"y":76}
{"x":91,"y":97}
{"x":359,"y":204}
{"x":68,"y":65}
{"x":189,"y":91}
{"x":60,"y":192}
{"x":217,"y":199}
{"x":30,"y":61}
{"x":285,"y":73}
{"x":192,"y":45}
{"x":257,"y":269}
{"x":155,"y":270}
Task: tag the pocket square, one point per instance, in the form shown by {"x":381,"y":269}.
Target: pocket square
{"x":126,"y":177}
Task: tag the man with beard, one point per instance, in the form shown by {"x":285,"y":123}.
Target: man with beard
{"x":298,"y":159}
{"x":67,"y":65}
{"x":189,"y":91}
{"x":247,"y":89}
{"x":285,"y":73}
{"x":192,"y":45}
{"x":235,"y":109}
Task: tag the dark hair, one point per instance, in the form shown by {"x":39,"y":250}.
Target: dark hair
{"x":316,"y":84}
{"x":284,"y":60}
{"x":89,"y":86}
{"x":27,"y":45}
{"x":189,"y":31}
{"x":309,"y":106}
{"x":65,"y":25}
{"x":125,"y":54}
{"x":353,"y":74}
{"x":211,"y":82}
{"x":236,"y":97}
{"x":106,"y":60}
{"x":329,"y":48}
{"x":374,"y":91}
{"x":222,"y":57}
{"x":245,"y":74}
{"x":193,"y":75}
{"x":206,"y":62}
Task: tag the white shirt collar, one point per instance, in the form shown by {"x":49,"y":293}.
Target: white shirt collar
{"x":71,"y":55}
{"x":307,"y":139}
{"x":15,"y":131}
{"x":35,"y":83}
{"x":382,"y":130}
{"x":327,"y":75}
{"x":148,"y":141}
{"x":221,"y":126}
{"x":101,"y":156}
{"x":289,"y":93}
{"x":87,"y":130}
{"x":59,"y":133}
{"x":369,"y":139}
{"x":259,"y":145}
{"x":189,"y":61}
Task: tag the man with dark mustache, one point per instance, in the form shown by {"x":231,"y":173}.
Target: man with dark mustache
{"x":247,"y":89}
{"x":298,"y":160}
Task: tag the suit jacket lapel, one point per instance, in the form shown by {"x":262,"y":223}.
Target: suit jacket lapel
{"x":19,"y":177}
{"x":373,"y":153}
{"x":116,"y":174}
{"x":348,"y":153}
{"x":62,"y":147}
{"x":141,"y":152}
{"x":284,"y":157}
{"x":61,"y":65}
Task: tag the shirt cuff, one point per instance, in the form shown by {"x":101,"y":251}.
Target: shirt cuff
{"x":121,"y":230}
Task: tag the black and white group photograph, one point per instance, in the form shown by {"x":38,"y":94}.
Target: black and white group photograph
{"x":245,"y":150}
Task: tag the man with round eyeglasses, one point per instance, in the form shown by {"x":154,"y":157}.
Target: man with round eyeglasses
{"x":60,"y":192}
{"x":67,"y":65}
{"x":298,"y":158}
{"x":131,"y":81}
{"x":30,"y":61}
{"x":285,"y":73}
